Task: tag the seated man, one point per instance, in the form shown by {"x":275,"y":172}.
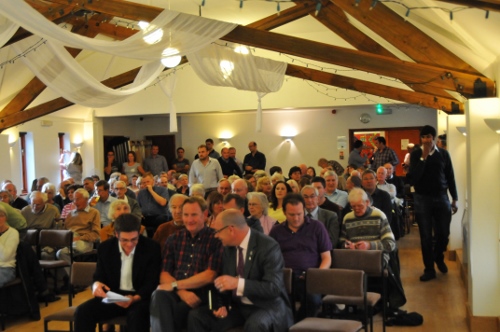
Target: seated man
{"x":254,"y":274}
{"x":174,"y":225}
{"x":102,"y":201}
{"x":85,"y":223}
{"x":17,"y":202}
{"x":39,"y":214}
{"x":128,"y":264}
{"x":120,"y":189}
{"x":305,"y":244}
{"x":367,"y":228}
{"x":191,"y":261}
{"x":153,"y":201}
{"x":332,"y":192}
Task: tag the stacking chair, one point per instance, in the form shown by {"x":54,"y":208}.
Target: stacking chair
{"x":82,"y":275}
{"x":373,"y":264}
{"x":333,"y":282}
{"x":57,"y":239}
{"x":288,"y":280}
{"x":20,"y":281}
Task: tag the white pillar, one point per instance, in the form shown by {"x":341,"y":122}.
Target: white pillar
{"x":483,"y":179}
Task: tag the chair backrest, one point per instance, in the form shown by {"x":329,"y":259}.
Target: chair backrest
{"x":82,"y":273}
{"x":369,"y":261}
{"x":340,"y":282}
{"x":31,"y":237}
{"x":55,"y":238}
{"x":288,"y":280}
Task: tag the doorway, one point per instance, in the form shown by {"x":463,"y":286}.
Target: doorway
{"x":397,"y":139}
{"x":166,"y":144}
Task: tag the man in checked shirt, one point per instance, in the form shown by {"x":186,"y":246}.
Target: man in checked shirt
{"x":192,"y":259}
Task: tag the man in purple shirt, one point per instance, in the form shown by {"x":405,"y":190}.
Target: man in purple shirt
{"x":305,"y":244}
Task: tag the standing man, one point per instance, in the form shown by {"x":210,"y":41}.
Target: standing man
{"x":205,"y":170}
{"x":228,"y":165}
{"x":128,"y":264}
{"x":431,"y":174}
{"x":153,"y":201}
{"x":383,"y":154}
{"x":232,"y":155}
{"x":102,"y":201}
{"x":192,"y":259}
{"x":305,"y":244}
{"x":255,"y":160}
{"x":313,"y":211}
{"x":155,"y":163}
{"x":355,"y":157}
{"x":253,"y":274}
{"x":181,"y":164}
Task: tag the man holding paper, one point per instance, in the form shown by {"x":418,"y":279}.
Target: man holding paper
{"x":127,"y":265}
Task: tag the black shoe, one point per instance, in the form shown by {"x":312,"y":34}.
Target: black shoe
{"x":427,"y":276}
{"x":442,"y":266}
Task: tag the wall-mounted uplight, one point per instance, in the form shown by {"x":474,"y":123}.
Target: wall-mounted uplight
{"x":462,"y":130}
{"x":288,"y":133}
{"x":225,"y":136}
{"x":494,"y":124}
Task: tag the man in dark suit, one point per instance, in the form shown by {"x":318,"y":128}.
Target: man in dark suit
{"x":328,"y":218}
{"x":252,"y":275}
{"x":128,"y":264}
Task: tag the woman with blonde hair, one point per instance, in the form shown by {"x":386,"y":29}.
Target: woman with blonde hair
{"x":264,"y":186}
{"x":258,"y":206}
{"x":73,"y":169}
{"x":116,"y":209}
{"x":294,"y":185}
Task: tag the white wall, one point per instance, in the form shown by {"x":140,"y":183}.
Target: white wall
{"x":457,"y":148}
{"x":483,"y":158}
{"x":317,"y":132}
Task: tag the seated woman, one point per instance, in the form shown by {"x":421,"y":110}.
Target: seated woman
{"x":280,"y":189}
{"x":116,"y":209}
{"x":70,"y":190}
{"x":311,"y":171}
{"x":215,"y":206}
{"x":258,"y":206}
{"x":9,"y":240}
{"x":294,"y":185}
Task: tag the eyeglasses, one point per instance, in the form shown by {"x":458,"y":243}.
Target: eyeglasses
{"x":220,"y":230}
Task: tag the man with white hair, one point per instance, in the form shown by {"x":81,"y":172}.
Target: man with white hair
{"x":40,"y":215}
{"x":120,"y":188}
{"x":335,"y":195}
{"x":240,"y":188}
{"x":366,"y":227}
{"x":17,"y":202}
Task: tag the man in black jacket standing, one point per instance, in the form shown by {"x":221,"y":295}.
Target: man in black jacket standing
{"x":431,"y":175}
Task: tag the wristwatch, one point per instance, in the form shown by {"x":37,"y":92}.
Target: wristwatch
{"x":174,"y":286}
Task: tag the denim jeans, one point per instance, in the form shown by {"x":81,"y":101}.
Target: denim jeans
{"x":433,"y":214}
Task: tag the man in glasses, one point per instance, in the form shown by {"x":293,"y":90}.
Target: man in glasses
{"x":252,"y":281}
{"x":128,"y":264}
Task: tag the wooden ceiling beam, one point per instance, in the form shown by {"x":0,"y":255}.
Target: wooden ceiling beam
{"x":403,"y":35}
{"x":381,"y":90}
{"x":485,"y":5}
{"x":407,"y":72}
{"x":285,"y":16}
{"x":35,"y":87}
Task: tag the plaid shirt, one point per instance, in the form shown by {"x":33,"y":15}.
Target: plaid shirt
{"x":185,"y":256}
{"x":380,"y":158}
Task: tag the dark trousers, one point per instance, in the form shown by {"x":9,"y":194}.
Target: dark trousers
{"x":252,"y":318}
{"x":168,"y":312}
{"x":433,"y":214}
{"x":88,"y":314}
{"x":309,"y":303}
